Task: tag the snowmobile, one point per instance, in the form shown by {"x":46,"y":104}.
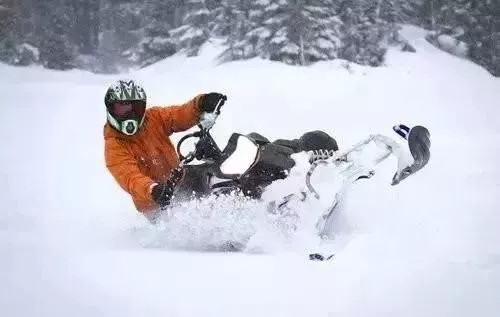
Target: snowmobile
{"x":250,"y":163}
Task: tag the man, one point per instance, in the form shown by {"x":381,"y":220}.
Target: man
{"x":138,"y":151}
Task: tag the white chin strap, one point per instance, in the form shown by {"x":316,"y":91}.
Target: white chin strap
{"x":129,"y":127}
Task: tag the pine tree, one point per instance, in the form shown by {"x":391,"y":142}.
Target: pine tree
{"x":430,"y":12}
{"x":411,"y":11}
{"x":157,"y":43}
{"x":255,"y":40}
{"x":14,"y":48}
{"x":391,"y":11}
{"x":123,"y":22}
{"x":8,"y":21}
{"x":296,"y":32}
{"x":56,"y":50}
{"x":226,"y":18}
{"x":363,"y":35}
{"x":231,"y":23}
{"x":323,"y":41}
{"x":473,"y":22}
{"x":479,"y":26}
{"x":195,"y":30}
{"x":85,"y":25}
{"x":122,"y":25}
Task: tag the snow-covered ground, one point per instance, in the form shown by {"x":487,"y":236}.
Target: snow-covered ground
{"x":71,"y":243}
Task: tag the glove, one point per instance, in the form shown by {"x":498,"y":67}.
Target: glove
{"x":162,"y":193}
{"x":210,"y":101}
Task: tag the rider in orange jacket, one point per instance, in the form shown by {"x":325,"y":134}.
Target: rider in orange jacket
{"x":138,"y":151}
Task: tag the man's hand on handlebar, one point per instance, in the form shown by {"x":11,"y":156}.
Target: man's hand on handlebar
{"x":210,"y":106}
{"x":212,"y":102}
{"x":162,"y":193}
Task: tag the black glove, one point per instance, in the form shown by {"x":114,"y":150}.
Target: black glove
{"x":162,"y":193}
{"x":211,"y":100}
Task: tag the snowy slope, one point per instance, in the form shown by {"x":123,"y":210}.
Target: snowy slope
{"x":71,"y":243}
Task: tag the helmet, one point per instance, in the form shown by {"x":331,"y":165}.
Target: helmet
{"x":125,"y":106}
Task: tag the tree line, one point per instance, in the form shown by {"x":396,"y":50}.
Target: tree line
{"x":112,"y":35}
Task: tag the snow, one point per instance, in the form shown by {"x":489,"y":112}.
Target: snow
{"x":72,"y":244}
{"x":452,"y":45}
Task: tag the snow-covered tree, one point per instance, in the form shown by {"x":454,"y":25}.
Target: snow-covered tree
{"x":477,"y":24}
{"x":254,"y":40}
{"x":293,"y":31}
{"x":157,"y":42}
{"x":125,"y":21}
{"x":14,"y":36}
{"x":122,"y":25}
{"x":467,"y":28}
{"x":8,"y":21}
{"x":226,"y":18}
{"x":56,"y":48}
{"x":391,"y":11}
{"x":322,"y":41}
{"x":195,"y":30}
{"x":85,"y":25}
{"x":430,"y":12}
{"x":110,"y":33}
{"x":363,"y":34}
{"x":232,"y":22}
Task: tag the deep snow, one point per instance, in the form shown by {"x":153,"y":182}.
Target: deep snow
{"x":72,"y":244}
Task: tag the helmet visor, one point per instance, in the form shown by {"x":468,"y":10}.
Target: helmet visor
{"x":128,"y":109}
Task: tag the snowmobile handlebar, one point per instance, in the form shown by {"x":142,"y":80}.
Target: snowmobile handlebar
{"x":190,"y":156}
{"x":205,"y":148}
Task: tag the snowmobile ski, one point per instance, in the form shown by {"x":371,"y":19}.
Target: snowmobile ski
{"x":352,"y":171}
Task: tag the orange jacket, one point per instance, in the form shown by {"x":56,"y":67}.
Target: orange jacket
{"x":137,"y":162}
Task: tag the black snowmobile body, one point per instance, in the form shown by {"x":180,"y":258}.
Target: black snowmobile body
{"x":272,"y":161}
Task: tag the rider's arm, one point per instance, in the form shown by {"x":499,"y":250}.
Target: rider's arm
{"x":126,"y":172}
{"x":179,"y":117}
